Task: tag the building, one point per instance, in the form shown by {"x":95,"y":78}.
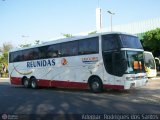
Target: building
{"x":137,"y":28}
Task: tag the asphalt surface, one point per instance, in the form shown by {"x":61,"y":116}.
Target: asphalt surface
{"x":44,"y":101}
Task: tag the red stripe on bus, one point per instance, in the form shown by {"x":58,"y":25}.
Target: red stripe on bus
{"x":44,"y":83}
{"x":16,"y":81}
{"x":65,"y":84}
{"x":69,"y":84}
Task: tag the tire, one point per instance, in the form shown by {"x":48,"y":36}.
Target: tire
{"x":26,"y":83}
{"x":96,"y":85}
{"x":34,"y":84}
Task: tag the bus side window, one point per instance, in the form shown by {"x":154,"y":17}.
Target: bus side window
{"x":109,"y":42}
{"x":88,"y":46}
{"x":69,"y":49}
{"x":53,"y":51}
{"x":42,"y":52}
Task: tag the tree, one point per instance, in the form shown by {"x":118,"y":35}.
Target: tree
{"x":25,"y":45}
{"x":67,"y":35}
{"x":4,"y":57}
{"x":6,"y":47}
{"x":93,"y":32}
{"x":37,"y":42}
{"x":151,"y":40}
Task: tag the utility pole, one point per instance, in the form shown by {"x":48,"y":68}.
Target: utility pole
{"x":98,"y":19}
{"x":111,"y":13}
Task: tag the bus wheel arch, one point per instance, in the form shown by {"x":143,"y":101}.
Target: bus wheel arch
{"x":34,"y":83}
{"x":95,"y":84}
{"x":22,"y":80}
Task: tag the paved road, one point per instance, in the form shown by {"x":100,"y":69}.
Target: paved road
{"x":19,"y":100}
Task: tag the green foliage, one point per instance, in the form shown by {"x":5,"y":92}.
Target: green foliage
{"x":25,"y":45}
{"x":151,"y":40}
{"x":6,"y":47}
{"x":67,"y":35}
{"x":4,"y":58}
{"x":93,"y":32}
{"x":37,"y":42}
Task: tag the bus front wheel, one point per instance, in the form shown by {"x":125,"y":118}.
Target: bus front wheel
{"x":96,"y":85}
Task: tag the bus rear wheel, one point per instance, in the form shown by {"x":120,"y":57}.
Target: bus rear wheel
{"x":34,"y":84}
{"x":96,"y":85}
{"x":26,"y":83}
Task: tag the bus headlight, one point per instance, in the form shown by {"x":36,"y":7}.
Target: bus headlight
{"x":130,"y":78}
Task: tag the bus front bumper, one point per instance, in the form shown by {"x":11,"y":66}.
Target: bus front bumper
{"x":135,"y":83}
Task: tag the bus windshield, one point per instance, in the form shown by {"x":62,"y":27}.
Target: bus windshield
{"x":149,"y":61}
{"x":135,"y":62}
{"x":128,"y":41}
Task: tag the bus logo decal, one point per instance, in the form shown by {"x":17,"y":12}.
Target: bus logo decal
{"x":41,"y":63}
{"x":90,"y":60}
{"x":64,"y":61}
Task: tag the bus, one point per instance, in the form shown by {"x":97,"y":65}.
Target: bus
{"x":100,"y":61}
{"x":150,"y":64}
{"x":157,"y":60}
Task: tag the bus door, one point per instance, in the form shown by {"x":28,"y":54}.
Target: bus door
{"x":115,"y":65}
{"x":119,"y":67}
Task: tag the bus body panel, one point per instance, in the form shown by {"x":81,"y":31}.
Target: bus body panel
{"x":74,"y":73}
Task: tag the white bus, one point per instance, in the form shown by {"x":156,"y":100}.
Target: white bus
{"x":150,"y":64}
{"x":100,"y":61}
{"x":157,"y":60}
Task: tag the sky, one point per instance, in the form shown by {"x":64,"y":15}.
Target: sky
{"x":24,"y":21}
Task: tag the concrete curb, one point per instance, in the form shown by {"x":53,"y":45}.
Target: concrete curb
{"x":4,"y":80}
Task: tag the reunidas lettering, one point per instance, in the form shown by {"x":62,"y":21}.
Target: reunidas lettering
{"x":41,"y":63}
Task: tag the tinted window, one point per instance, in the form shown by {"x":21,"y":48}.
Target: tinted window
{"x":17,"y":56}
{"x":35,"y":53}
{"x":53,"y":51}
{"x":108,"y":61}
{"x":42,"y":52}
{"x":69,"y":48}
{"x":88,"y":46}
{"x":120,"y":64}
{"x":128,"y":41}
{"x":85,"y":46}
{"x":109,"y":42}
{"x":11,"y":57}
{"x":28,"y":54}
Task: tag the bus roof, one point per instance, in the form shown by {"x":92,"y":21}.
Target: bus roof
{"x":68,"y":39}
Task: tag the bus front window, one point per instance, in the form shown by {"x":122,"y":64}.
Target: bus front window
{"x":135,"y":62}
{"x":149,"y":61}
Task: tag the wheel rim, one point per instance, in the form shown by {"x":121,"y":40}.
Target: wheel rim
{"x":26,"y":83}
{"x":95,"y":85}
{"x":33,"y":84}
